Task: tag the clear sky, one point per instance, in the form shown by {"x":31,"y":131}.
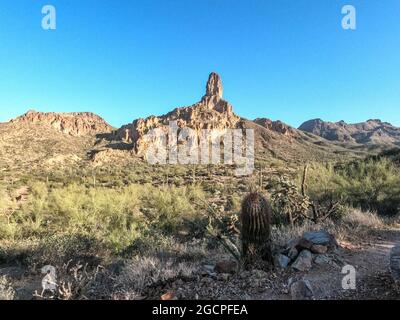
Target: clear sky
{"x":123,"y":59}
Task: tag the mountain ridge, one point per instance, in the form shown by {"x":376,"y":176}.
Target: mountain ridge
{"x":87,"y":136}
{"x":373,"y":132}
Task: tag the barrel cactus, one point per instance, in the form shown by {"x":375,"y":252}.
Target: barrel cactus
{"x":256,"y":230}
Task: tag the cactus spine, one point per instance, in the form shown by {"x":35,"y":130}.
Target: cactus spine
{"x":256,"y":229}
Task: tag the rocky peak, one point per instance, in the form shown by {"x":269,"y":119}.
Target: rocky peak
{"x":74,"y":124}
{"x":277,"y":126}
{"x":213,"y":97}
{"x":214,"y":86}
{"x":212,"y":112}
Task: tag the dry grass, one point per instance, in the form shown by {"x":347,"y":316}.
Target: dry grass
{"x":356,"y":224}
{"x":6,"y":290}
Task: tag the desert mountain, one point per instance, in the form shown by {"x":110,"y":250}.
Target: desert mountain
{"x":38,"y":139}
{"x":212,"y":112}
{"x":273,"y":139}
{"x":372,"y":133}
{"x":42,"y":140}
{"x":74,"y":124}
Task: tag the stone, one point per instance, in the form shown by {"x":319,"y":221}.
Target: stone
{"x":319,"y":249}
{"x":304,"y":244}
{"x":169,"y":296}
{"x":303,"y":261}
{"x":281,"y":261}
{"x":325,"y":259}
{"x":226,"y":266}
{"x":321,"y":237}
{"x":209,"y":267}
{"x":293,"y":253}
{"x":292,"y":243}
{"x":301,"y":290}
{"x":395,"y":263}
{"x":224,"y":276}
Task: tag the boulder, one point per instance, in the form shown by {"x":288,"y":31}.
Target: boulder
{"x":319,"y":249}
{"x":303,"y":261}
{"x":321,"y":237}
{"x":226,"y":266}
{"x":293,"y":253}
{"x":301,"y":290}
{"x":292,"y":243}
{"x":325,"y":259}
{"x":304,"y":243}
{"x":281,"y":261}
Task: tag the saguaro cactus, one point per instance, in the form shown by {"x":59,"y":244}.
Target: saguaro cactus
{"x":256,"y":229}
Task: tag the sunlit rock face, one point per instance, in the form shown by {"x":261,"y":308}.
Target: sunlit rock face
{"x":74,"y":124}
{"x":212,"y":112}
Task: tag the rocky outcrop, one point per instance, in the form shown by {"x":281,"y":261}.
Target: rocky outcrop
{"x":74,"y":124}
{"x":371,"y":132}
{"x":277,"y":126}
{"x":212,"y":112}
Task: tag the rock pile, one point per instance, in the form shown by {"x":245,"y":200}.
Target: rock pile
{"x":301,"y":252}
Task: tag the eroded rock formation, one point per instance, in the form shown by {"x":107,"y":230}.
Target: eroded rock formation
{"x":212,"y":112}
{"x":74,"y":124}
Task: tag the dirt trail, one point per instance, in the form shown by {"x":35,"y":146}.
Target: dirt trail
{"x":370,"y":259}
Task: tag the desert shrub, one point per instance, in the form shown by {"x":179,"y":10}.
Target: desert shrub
{"x":168,"y":208}
{"x":372,"y":184}
{"x":289,"y":205}
{"x":6,"y":290}
{"x":147,"y":242}
{"x":73,"y":248}
{"x":142,"y":273}
{"x":7,"y":205}
{"x":112,"y":216}
{"x":283,"y":233}
{"x":361,"y":224}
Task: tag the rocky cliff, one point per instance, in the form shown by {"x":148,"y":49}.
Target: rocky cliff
{"x":74,"y":124}
{"x":211,"y":112}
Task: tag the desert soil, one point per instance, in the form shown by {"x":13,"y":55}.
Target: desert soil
{"x":370,"y":258}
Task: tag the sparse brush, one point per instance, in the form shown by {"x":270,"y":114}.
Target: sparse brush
{"x":6,"y":290}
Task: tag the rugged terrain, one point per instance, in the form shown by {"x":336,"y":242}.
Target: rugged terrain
{"x":44,"y":140}
{"x":79,"y":195}
{"x":372,"y":134}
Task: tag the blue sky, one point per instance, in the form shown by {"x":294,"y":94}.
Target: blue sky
{"x":123,"y":59}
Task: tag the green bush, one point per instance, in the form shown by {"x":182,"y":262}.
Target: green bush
{"x":372,"y":184}
{"x":170,"y":207}
{"x":73,"y":248}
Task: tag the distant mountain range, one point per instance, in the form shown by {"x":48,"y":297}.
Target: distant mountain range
{"x":372,"y":133}
{"x":59,"y":138}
